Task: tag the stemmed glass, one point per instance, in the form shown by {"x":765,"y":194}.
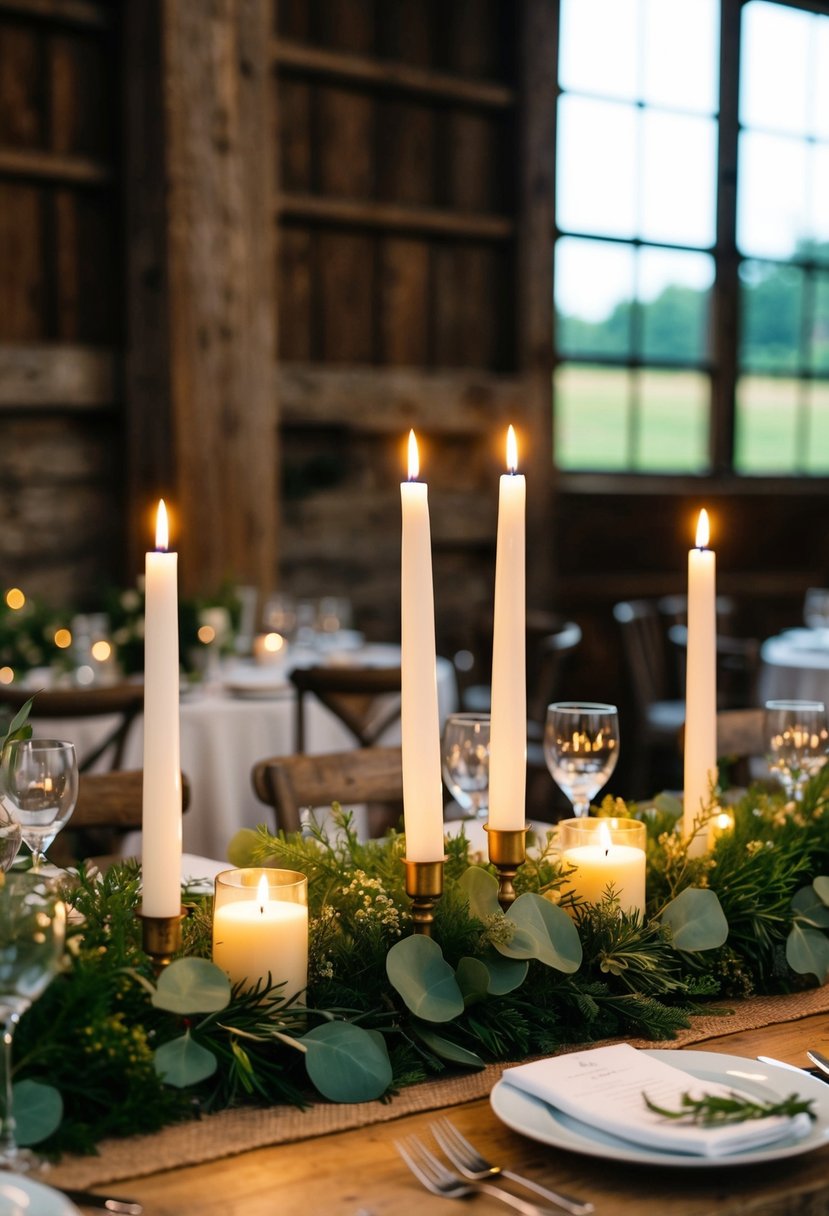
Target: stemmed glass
{"x":39,"y":788}
{"x":32,"y":929}
{"x":465,"y":761}
{"x":798,"y":735}
{"x":581,"y":747}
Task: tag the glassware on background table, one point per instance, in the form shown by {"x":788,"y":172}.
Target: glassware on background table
{"x":10,"y":838}
{"x":798,"y":735}
{"x":581,"y":748}
{"x":279,"y":615}
{"x":465,"y":761}
{"x":32,"y":928}
{"x":816,"y":608}
{"x":39,"y":788}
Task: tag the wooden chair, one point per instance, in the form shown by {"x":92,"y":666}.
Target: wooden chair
{"x":109,"y":805}
{"x":742,"y":747}
{"x":291,"y":784}
{"x":365,"y":699}
{"x":738,"y":666}
{"x":125,"y":701}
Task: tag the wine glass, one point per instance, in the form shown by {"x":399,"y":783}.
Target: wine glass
{"x":581,"y":747}
{"x":798,"y":734}
{"x":39,"y":790}
{"x":32,"y":928}
{"x":465,"y":761}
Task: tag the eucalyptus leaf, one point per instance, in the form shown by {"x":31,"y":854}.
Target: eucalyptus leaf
{"x":807,"y":952}
{"x":810,"y":908}
{"x":481,"y":889}
{"x":473,"y":979}
{"x":347,"y":1063}
{"x":543,"y":931}
{"x":192,"y":985}
{"x":821,"y":885}
{"x":183,"y":1062}
{"x":505,"y":974}
{"x":696,"y":920}
{"x":418,"y":971}
{"x":38,"y":1110}
{"x":445,"y":1049}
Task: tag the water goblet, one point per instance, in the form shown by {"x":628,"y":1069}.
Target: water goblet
{"x":39,"y":788}
{"x":32,"y":929}
{"x":798,"y":735}
{"x":581,"y":747}
{"x":465,"y":761}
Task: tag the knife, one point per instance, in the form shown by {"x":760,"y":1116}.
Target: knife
{"x":821,"y":1074}
{"x":821,"y":1061}
{"x":109,"y":1203}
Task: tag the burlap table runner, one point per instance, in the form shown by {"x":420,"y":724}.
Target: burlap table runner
{"x":236,"y":1131}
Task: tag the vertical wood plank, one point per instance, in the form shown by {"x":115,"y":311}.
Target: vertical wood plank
{"x":22,"y":271}
{"x":403,"y":304}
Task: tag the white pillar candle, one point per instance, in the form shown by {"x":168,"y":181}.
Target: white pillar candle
{"x":700,"y":687}
{"x":605,"y":863}
{"x":420,"y":723}
{"x":161,"y":819}
{"x":508,"y":725}
{"x":260,"y":935}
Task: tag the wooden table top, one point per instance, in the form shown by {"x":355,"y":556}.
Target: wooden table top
{"x":358,"y":1173}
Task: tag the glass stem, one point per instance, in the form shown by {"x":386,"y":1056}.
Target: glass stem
{"x":8,"y":1144}
{"x":581,"y":809}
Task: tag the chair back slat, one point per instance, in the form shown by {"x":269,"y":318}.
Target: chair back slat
{"x":291,"y":784}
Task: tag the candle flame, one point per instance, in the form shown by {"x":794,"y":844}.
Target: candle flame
{"x":162,"y":528}
{"x":414,"y":458}
{"x":263,"y":893}
{"x":605,"y":840}
{"x":512,"y":450}
{"x":703,"y":530}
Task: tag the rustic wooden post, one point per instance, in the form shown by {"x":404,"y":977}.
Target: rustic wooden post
{"x":200,"y":363}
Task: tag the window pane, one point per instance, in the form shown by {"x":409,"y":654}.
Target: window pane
{"x":771,"y":303}
{"x":678,"y":179}
{"x":766,"y":425}
{"x":771,"y":195}
{"x":673,"y":436}
{"x":817,"y":455}
{"x":819,"y":337}
{"x":591,"y":418}
{"x":596,"y":163}
{"x":820,"y":106}
{"x":683,"y":34}
{"x":819,"y":228}
{"x":774,"y":85}
{"x":676,"y":292}
{"x":599,"y":42}
{"x":594,"y":284}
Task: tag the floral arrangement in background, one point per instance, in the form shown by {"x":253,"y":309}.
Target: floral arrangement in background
{"x":34,"y":635}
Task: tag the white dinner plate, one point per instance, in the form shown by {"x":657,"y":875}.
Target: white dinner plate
{"x":21,"y":1196}
{"x":536,"y":1119}
{"x":258,"y":690}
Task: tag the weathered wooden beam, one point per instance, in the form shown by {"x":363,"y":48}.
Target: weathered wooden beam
{"x":382,"y":400}
{"x":54,"y":167}
{"x":395,"y":217}
{"x":44,"y":376}
{"x":69,"y":12}
{"x":200,"y":382}
{"x":391,"y":76}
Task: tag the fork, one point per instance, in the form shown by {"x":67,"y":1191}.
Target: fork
{"x":434,"y":1175}
{"x":466,"y":1158}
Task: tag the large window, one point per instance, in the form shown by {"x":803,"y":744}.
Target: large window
{"x":651,"y":264}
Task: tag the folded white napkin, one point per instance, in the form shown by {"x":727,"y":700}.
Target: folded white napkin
{"x":604,"y":1086}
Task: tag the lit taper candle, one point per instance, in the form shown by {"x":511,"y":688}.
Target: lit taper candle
{"x":508,"y":725}
{"x":420,"y":724}
{"x":700,"y":686}
{"x":161,"y":822}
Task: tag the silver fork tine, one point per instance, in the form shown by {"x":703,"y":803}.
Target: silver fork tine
{"x":429,"y":1162}
{"x":434,"y":1175}
{"x":465,"y":1157}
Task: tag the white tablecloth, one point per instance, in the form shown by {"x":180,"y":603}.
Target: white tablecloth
{"x":795,"y":665}
{"x":224,"y":734}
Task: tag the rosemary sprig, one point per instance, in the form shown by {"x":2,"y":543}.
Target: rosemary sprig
{"x":716,"y":1110}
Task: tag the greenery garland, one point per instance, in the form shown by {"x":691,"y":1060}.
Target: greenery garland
{"x":107,"y":1050}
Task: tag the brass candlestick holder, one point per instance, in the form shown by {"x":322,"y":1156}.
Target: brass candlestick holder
{"x":424,"y":887}
{"x":161,"y":937}
{"x":507,"y":851}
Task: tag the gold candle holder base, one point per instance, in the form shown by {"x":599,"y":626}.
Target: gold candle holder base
{"x":161,"y":937}
{"x":507,"y":851}
{"x":424,"y":887}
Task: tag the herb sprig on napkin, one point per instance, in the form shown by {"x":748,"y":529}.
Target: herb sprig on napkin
{"x":716,"y":1110}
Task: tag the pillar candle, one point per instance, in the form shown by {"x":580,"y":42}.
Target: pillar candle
{"x":606,"y":853}
{"x":700,"y":686}
{"x":161,"y":819}
{"x":422,"y":786}
{"x":508,"y":725}
{"x":262,"y":935}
